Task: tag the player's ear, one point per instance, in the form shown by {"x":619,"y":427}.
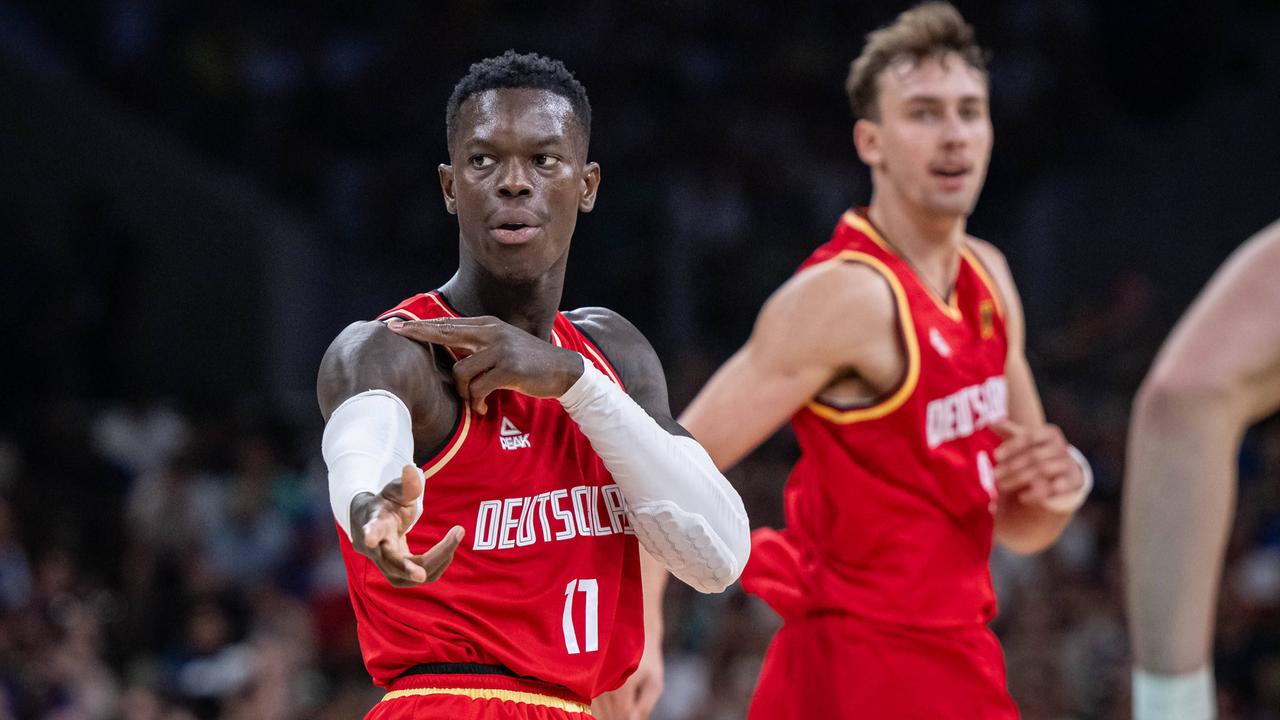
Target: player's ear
{"x":866,"y":139}
{"x":590,"y":185}
{"x":446,"y":187}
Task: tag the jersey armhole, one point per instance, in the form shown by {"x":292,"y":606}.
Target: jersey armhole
{"x":893,"y":399}
{"x":441,"y":456}
{"x":447,"y":448}
{"x":598,"y":354}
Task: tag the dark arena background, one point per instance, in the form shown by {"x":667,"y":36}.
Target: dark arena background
{"x":195,"y":197}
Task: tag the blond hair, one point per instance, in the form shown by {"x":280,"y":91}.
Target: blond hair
{"x":931,"y":29}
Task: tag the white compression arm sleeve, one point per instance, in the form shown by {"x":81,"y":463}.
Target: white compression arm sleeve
{"x":367,"y":441}
{"x":1174,"y":697}
{"x":683,"y":510}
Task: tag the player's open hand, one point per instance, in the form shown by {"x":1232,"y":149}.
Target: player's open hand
{"x":637,"y":696}
{"x":496,"y":355}
{"x":380,"y":522}
{"x":1034,"y":464}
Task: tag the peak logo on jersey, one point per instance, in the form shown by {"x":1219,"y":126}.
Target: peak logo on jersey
{"x":510,"y":436}
{"x":581,"y":511}
{"x":939,"y":343}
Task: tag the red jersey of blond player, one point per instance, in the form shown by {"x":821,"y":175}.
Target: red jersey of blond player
{"x":890,"y":509}
{"x":547,"y":580}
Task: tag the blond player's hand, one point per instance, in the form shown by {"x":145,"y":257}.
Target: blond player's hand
{"x":379,"y":524}
{"x":1034,"y":464}
{"x":496,"y":355}
{"x":637,"y":696}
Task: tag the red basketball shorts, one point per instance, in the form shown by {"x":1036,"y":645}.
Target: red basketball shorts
{"x":839,"y":666}
{"x":476,"y":697}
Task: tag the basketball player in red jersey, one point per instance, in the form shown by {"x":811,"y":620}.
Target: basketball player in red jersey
{"x":492,"y":461}
{"x":1218,"y":372}
{"x":897,"y":352}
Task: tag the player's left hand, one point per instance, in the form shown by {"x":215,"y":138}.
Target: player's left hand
{"x":637,"y":696}
{"x":380,"y":523}
{"x":1034,"y":465}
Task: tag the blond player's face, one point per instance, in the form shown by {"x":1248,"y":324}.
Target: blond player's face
{"x":933,"y":140}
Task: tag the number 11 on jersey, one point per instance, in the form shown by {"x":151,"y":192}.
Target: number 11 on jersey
{"x":589,"y":588}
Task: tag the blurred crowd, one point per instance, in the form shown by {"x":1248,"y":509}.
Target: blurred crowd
{"x":170,"y":559}
{"x":167,"y":552}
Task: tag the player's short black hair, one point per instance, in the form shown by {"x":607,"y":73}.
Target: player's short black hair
{"x":519,"y":70}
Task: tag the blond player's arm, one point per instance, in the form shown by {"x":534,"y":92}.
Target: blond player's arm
{"x":636,"y":698}
{"x":654,"y":576}
{"x":1218,"y":372}
{"x":1024,"y":527}
{"x":817,"y":326}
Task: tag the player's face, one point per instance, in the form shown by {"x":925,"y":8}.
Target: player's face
{"x":932,"y":142}
{"x":518,"y":180}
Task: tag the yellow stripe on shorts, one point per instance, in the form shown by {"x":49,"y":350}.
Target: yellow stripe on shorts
{"x":527,"y":698}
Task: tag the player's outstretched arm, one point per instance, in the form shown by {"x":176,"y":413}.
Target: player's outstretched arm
{"x":834,"y":318}
{"x":1218,"y":372}
{"x":1042,"y":480}
{"x":381,"y":398}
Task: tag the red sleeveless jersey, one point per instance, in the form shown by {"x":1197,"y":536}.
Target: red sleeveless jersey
{"x":546,"y":581}
{"x":890,"y":507}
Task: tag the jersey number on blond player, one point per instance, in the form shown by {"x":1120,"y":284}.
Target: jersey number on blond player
{"x":987,"y":477}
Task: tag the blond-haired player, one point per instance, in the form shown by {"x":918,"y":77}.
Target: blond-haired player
{"x":897,"y":352}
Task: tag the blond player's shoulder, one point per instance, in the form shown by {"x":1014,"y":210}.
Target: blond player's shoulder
{"x":986,"y":253}
{"x":994,"y":262}
{"x":830,"y":307}
{"x":837,"y":287}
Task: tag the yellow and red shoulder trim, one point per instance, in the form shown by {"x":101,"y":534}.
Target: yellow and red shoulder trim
{"x":910,"y":343}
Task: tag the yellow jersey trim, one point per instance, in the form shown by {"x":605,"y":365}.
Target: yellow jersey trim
{"x":908,"y":385}
{"x":527,"y":698}
{"x":983,"y":275}
{"x":950,"y":308}
{"x":438,"y":465}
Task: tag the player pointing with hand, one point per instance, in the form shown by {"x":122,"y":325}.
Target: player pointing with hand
{"x":524,"y":452}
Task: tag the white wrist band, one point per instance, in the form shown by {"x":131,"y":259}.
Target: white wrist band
{"x":1072,"y":502}
{"x":1190,"y":696}
{"x":683,"y":510}
{"x":367,"y":442}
